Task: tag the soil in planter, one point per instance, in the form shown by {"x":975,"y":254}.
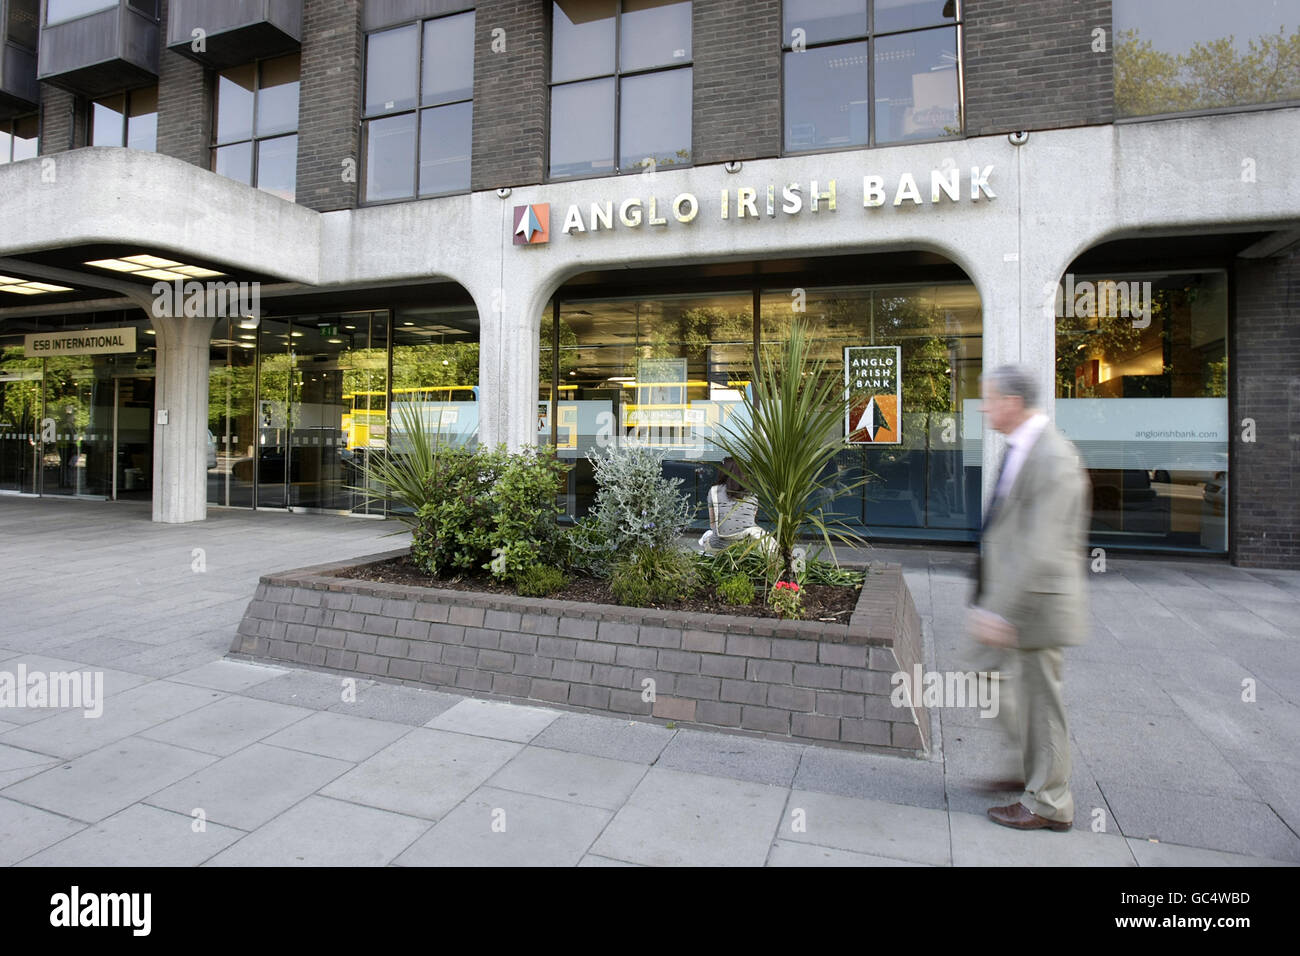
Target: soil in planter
{"x":821,"y":602}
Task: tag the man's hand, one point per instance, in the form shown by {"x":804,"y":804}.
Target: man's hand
{"x":991,"y":629}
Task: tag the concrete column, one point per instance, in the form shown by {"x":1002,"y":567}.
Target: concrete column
{"x":180,"y":447}
{"x":509,"y":322}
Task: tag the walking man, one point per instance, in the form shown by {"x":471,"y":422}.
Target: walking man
{"x":1029,"y":601}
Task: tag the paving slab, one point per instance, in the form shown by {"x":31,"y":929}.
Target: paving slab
{"x":301,"y":689}
{"x":724,"y":755}
{"x":228,"y":725}
{"x":978,"y":841}
{"x":401,"y":705}
{"x":917,"y":834}
{"x":17,"y":764}
{"x":424,"y":774}
{"x":324,"y":832}
{"x":101,"y":783}
{"x":572,"y":777}
{"x":251,"y":787}
{"x":25,"y":830}
{"x":919,"y":783}
{"x":229,"y":676}
{"x":1155,"y":853}
{"x":785,"y":853}
{"x":141,"y":836}
{"x":613,"y":737}
{"x":592,"y":860}
{"x":492,"y":718}
{"x":688,"y":819}
{"x":494,"y":827}
{"x":339,"y":735}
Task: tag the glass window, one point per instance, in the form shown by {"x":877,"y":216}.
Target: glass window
{"x":22,"y":138}
{"x":126,"y":119}
{"x":57,"y":11}
{"x":448,"y":72}
{"x":846,"y":86}
{"x":445,"y":134}
{"x":257,"y":104}
{"x":608,"y":114}
{"x":654,"y":33}
{"x":107,"y":121}
{"x":656,"y":119}
{"x":582,"y":39}
{"x":390,"y":157}
{"x":438,"y":58}
{"x":582,"y":128}
{"x":392,"y":68}
{"x":1174,"y":56}
{"x":1142,"y":391}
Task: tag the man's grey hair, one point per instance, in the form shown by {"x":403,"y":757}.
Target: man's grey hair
{"x":1015,"y":380}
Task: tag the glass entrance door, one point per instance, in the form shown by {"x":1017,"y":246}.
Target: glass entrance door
{"x":77,"y":428}
{"x":133,"y":437}
{"x":20,"y":402}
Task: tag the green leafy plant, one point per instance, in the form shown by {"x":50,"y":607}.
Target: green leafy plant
{"x":654,"y":576}
{"x":736,"y":590}
{"x":825,"y":572}
{"x":403,"y":477}
{"x":540,"y":580}
{"x":789,"y":438}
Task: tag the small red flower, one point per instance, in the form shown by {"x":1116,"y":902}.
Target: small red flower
{"x":787,"y":585}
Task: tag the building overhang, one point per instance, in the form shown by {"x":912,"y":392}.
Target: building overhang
{"x":224,"y":33}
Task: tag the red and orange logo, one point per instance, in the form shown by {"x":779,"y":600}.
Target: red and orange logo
{"x":532,"y":224}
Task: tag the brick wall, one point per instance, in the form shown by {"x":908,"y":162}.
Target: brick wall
{"x":1264,"y":489}
{"x":63,"y":125}
{"x":737,"y":54}
{"x":1029,"y":64}
{"x":184,"y":105}
{"x":510,"y":95}
{"x":329,"y":104}
{"x":803,"y":679}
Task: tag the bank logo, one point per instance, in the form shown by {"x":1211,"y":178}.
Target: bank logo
{"x":873,"y":395}
{"x":532,"y":224}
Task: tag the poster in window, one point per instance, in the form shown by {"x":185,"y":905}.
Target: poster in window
{"x":873,"y":394}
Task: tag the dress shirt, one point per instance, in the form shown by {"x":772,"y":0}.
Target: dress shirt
{"x":1018,"y":444}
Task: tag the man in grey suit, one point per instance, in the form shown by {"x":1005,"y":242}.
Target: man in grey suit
{"x":1029,"y":600}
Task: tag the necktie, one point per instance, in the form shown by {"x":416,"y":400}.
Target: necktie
{"x":988,"y":517}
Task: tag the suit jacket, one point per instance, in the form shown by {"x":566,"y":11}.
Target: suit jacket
{"x":1033,"y":549}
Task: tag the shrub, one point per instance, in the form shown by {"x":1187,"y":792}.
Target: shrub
{"x":636,"y":507}
{"x":540,"y":580}
{"x":654,"y":576}
{"x":494,"y":510}
{"x":737,"y":590}
{"x":786,"y":599}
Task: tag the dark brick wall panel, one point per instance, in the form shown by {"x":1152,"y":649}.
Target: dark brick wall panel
{"x":63,"y":125}
{"x":184,"y":106}
{"x":329,"y":110}
{"x":510,"y":94}
{"x":1029,"y":64}
{"x":1264,"y":490}
{"x":737,"y":98}
{"x":816,"y":682}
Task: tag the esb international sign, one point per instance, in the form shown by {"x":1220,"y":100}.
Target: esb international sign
{"x":873,"y":394}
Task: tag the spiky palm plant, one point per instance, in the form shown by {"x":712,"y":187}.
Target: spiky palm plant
{"x":406,"y":477}
{"x":792,"y":434}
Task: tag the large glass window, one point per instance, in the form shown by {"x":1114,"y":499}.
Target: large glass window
{"x":1175,"y":56}
{"x":621,"y":86}
{"x":1141,"y":390}
{"x":256,"y":139}
{"x":56,"y":11}
{"x":126,"y":119}
{"x":870,"y":72}
{"x":19,"y":138}
{"x":418,"y":107}
{"x":666,"y":371}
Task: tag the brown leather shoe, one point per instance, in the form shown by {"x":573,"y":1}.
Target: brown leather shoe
{"x":1000,"y":786}
{"x":1019,"y":817}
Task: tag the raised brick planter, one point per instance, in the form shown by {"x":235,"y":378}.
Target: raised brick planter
{"x":824,"y":683}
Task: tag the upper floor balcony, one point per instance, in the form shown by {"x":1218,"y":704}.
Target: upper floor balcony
{"x":19,"y":91}
{"x":95,"y":47}
{"x":224,"y":33}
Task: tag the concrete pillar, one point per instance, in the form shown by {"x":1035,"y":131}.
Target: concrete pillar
{"x":180,"y":447}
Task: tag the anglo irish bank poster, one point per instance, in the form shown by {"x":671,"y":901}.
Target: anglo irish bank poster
{"x":873,"y":392}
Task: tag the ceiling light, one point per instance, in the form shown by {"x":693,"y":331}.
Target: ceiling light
{"x":160,"y":274}
{"x":117,"y":265}
{"x":153,"y":262}
{"x":198,"y":272}
{"x":47,"y":287}
{"x":5,"y":280}
{"x":19,"y":290}
{"x":150,"y":332}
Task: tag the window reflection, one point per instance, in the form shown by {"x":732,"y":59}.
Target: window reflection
{"x":257,"y":103}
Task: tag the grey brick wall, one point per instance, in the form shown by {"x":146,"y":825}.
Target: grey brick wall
{"x":803,"y":679}
{"x":63,"y":121}
{"x":737,"y":99}
{"x":510,"y":95}
{"x":329,"y":109}
{"x":1264,"y":489}
{"x":184,"y":106}
{"x":1029,"y":65}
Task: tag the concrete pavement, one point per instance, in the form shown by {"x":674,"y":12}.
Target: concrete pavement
{"x":198,"y":760}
